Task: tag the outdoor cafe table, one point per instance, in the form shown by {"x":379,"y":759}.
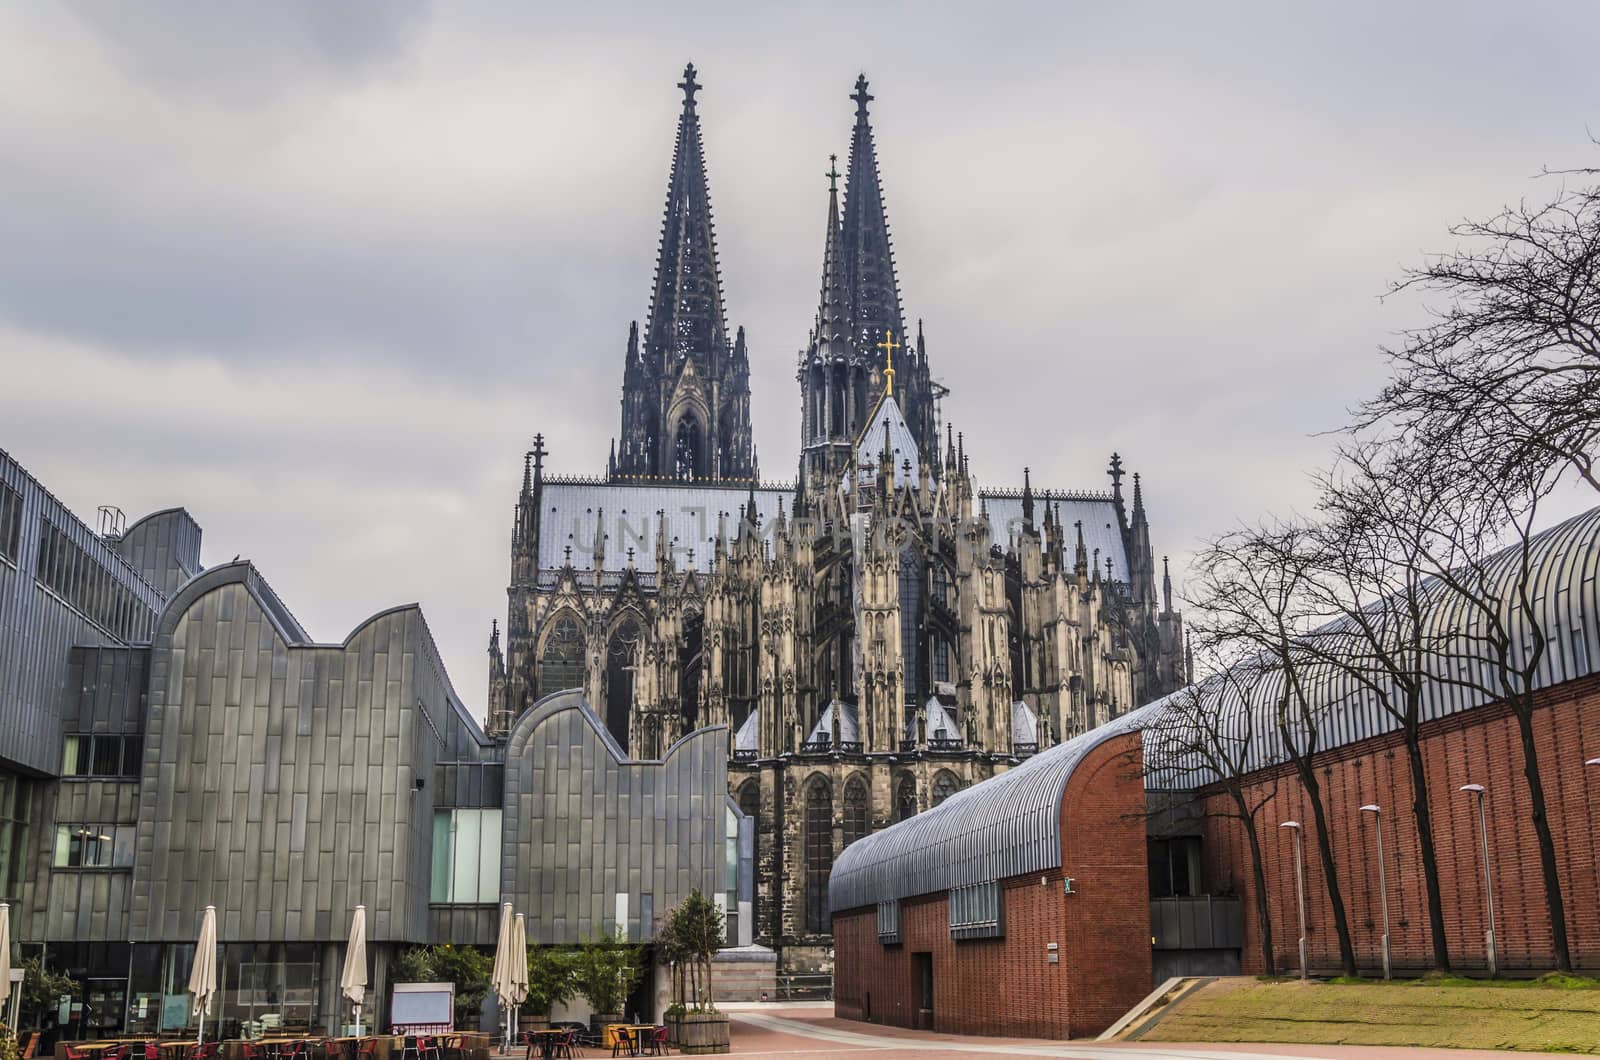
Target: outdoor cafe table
{"x":546,"y":1041}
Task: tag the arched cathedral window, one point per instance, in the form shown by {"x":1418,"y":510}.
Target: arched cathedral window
{"x":819,"y":854}
{"x":905,"y":798}
{"x":621,"y":657}
{"x":911,"y":607}
{"x":855,"y":810}
{"x":686,"y":449}
{"x":750,"y":798}
{"x":561,"y":663}
{"x":944,"y":785}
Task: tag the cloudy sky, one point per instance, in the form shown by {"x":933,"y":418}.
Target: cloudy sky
{"x":319,"y":271}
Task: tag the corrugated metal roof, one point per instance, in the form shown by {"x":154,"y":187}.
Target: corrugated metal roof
{"x":1101,"y":528}
{"x":1564,"y":573}
{"x":693,"y":514}
{"x":1004,"y":826}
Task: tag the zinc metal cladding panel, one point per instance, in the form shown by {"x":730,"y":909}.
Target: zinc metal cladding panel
{"x":564,"y":774}
{"x":1561,"y":571}
{"x":1004,"y":826}
{"x":226,"y":830}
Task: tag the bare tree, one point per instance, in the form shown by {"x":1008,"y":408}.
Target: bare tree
{"x":1376,"y":507}
{"x":1206,"y":737}
{"x":1510,"y":365}
{"x":1254,"y":585}
{"x":1482,"y":549}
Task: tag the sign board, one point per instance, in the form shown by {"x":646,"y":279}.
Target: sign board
{"x":423,"y":1005}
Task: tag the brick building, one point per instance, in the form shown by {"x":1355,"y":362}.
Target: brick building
{"x":973,"y":918}
{"x":902,"y":957}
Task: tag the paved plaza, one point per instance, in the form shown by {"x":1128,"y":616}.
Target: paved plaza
{"x":810,"y":1030}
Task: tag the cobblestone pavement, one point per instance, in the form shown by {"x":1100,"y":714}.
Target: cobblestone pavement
{"x":811,"y":1031}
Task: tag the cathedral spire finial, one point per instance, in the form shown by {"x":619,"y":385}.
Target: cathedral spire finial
{"x":861,"y":95}
{"x":1166,"y":582}
{"x":1027,"y":499}
{"x":888,"y":346}
{"x":689,"y":85}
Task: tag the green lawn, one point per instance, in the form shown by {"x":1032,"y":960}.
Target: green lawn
{"x":1554,"y":1016}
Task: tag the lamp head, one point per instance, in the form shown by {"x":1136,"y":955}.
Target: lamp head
{"x":1593,"y":762}
{"x":1477,"y":789}
{"x":1291,"y":824}
{"x":1371,"y":808}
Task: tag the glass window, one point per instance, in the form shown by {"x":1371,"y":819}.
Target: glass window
{"x":561,"y":664}
{"x":944,"y":785}
{"x":855,"y":810}
{"x":132,"y":755}
{"x":819,"y":854}
{"x":466,"y":856}
{"x":75,"y":756}
{"x":108,"y":756}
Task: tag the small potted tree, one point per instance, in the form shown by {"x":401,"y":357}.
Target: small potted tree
{"x":688,"y":941}
{"x":550,"y":983}
{"x":605,"y":971}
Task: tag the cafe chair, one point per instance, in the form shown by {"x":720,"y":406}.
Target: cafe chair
{"x":253,"y":1051}
{"x":72,"y":1052}
{"x":367,"y":1049}
{"x":656,"y":1043}
{"x":622,"y":1038}
{"x":295,"y":1050}
{"x":30,"y":1050}
{"x":204,"y":1051}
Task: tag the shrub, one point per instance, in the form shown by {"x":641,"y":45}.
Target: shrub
{"x":605,"y":972}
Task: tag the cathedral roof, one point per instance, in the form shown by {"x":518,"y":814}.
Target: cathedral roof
{"x":1024,"y":723}
{"x":747,"y":738}
{"x":692,"y":513}
{"x":849,"y":731}
{"x":941,"y":719}
{"x":888,"y":420}
{"x":1102,"y":530}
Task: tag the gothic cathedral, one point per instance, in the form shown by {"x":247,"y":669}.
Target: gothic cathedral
{"x":876,"y":636}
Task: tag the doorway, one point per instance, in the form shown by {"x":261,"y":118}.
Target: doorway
{"x":924,"y":965}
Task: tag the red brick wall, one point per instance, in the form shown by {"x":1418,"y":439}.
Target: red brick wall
{"x":1478,"y":747}
{"x":1007,"y":986}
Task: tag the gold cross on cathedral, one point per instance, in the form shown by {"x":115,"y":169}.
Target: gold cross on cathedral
{"x":888,"y":346}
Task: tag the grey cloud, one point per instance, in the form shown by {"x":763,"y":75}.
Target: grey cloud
{"x":359,"y":253}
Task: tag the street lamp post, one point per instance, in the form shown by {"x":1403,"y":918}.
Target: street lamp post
{"x":1299,"y":891}
{"x":1488,"y":883}
{"x":1383,"y":889}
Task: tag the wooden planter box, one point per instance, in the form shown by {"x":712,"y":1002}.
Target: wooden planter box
{"x":698,"y":1032}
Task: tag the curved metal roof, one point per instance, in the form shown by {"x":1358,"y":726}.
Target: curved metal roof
{"x":1004,"y":826}
{"x":1564,"y":583}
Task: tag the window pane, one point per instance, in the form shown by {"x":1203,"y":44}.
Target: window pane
{"x":108,"y":756}
{"x":73,"y":759}
{"x":464,"y":885}
{"x":132,"y":755}
{"x":63,"y":846}
{"x":122,"y":854}
{"x":440,"y":892}
{"x":489,"y":860}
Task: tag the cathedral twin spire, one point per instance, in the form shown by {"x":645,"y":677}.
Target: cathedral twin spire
{"x":686,"y":399}
{"x":686,"y":387}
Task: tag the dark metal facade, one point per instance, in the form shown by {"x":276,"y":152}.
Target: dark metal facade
{"x":584,"y":824}
{"x":42,"y":618}
{"x":280,"y":776}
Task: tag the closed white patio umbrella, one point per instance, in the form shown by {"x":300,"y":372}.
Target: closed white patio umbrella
{"x":353,"y":981}
{"x":501,"y":978}
{"x":203,"y":974}
{"x":5,"y":961}
{"x":519,"y":971}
